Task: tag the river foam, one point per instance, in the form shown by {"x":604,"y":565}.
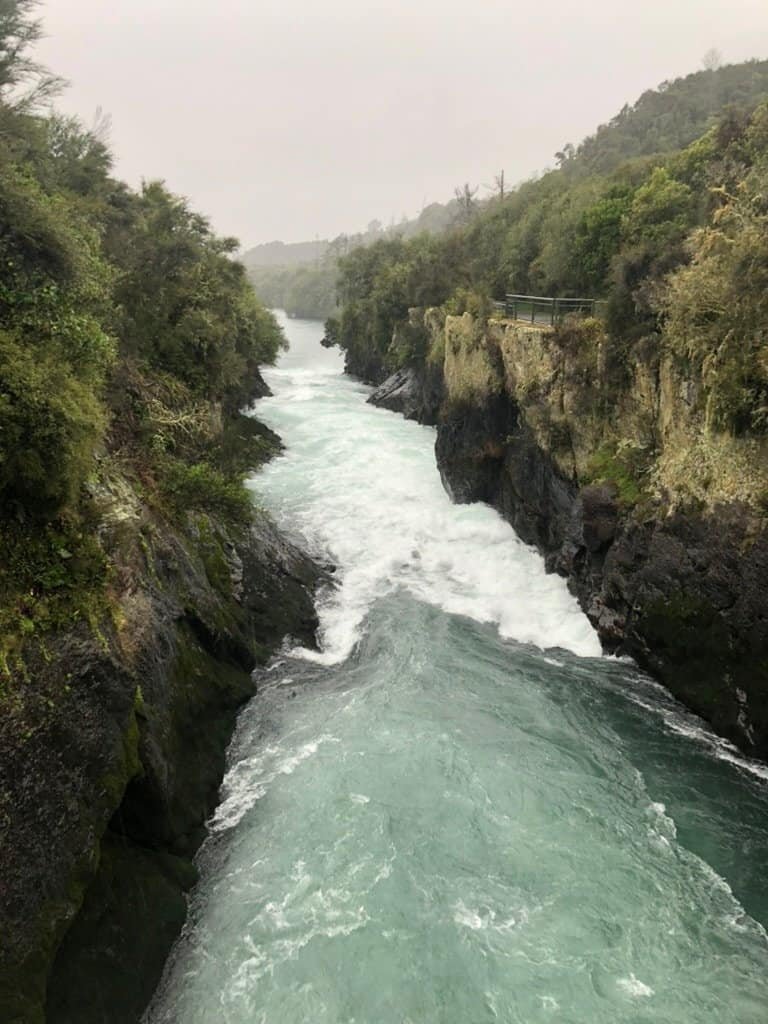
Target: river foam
{"x":372,"y":501}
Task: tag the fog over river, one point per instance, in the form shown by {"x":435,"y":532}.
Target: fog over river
{"x":457,"y":811}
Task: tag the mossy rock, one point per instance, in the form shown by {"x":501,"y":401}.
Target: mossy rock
{"x":111,"y":959}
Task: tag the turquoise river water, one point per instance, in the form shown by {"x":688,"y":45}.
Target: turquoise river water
{"x":457,"y":811}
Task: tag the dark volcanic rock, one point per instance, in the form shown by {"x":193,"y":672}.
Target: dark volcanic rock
{"x":686,"y":595}
{"x":415,"y":392}
{"x":105,"y":792}
{"x":365,"y":366}
{"x":471,"y":448}
{"x":260,"y":387}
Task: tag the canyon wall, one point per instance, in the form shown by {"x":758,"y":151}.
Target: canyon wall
{"x":605,"y":459}
{"x":106,"y":784}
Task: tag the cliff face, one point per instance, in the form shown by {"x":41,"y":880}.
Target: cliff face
{"x":112,"y":755}
{"x":607,"y":463}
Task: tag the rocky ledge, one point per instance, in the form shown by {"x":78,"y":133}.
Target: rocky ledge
{"x":416,"y":392}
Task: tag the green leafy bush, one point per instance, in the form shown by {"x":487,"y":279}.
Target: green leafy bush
{"x":50,"y":424}
{"x":626,"y":467}
{"x":204,"y":488}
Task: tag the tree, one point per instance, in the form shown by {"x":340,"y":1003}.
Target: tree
{"x":712,"y":59}
{"x":465,"y":199}
{"x":24,"y":84}
{"x":54,"y":350}
{"x":660,"y":211}
{"x":499,"y":186}
{"x":187,"y":307}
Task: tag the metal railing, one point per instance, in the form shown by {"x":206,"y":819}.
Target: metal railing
{"x":540,"y":309}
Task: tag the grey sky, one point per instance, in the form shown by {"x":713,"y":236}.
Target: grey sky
{"x":293,"y":119}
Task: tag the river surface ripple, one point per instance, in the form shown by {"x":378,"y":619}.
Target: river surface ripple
{"x":457,"y":811}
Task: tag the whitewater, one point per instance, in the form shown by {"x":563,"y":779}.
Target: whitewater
{"x":456,"y":810}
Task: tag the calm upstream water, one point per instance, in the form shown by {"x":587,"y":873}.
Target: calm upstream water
{"x":457,"y":811}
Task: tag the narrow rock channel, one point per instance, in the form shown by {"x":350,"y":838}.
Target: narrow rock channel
{"x":458,"y":810}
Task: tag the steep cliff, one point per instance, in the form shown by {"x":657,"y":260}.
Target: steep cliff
{"x":606,"y":460}
{"x":112,"y":749}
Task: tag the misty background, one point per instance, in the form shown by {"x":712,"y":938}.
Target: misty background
{"x":309,"y":119}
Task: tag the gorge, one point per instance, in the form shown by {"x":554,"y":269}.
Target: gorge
{"x":409,"y":667}
{"x":457,"y":809}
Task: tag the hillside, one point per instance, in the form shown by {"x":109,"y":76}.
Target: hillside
{"x":672,"y":116}
{"x":613,"y":235}
{"x":301,"y":277}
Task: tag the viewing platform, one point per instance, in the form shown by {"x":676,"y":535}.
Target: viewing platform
{"x":540,"y":309}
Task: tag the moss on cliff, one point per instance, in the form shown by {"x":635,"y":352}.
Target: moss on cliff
{"x":626,"y":467}
{"x":601,"y":412}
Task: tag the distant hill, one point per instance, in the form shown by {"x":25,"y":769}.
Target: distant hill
{"x":300,"y":277}
{"x":433,"y":219}
{"x":284,"y":254}
{"x":670,"y":117}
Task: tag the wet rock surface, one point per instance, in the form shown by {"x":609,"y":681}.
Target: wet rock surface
{"x":415,"y":392}
{"x":685,"y":595}
{"x":105,"y":794}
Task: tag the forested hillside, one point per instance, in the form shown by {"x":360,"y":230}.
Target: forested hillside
{"x":671,"y":116}
{"x":630,"y":446}
{"x":301,"y":278}
{"x":674,"y":244}
{"x":282,"y":254}
{"x":126,"y":332}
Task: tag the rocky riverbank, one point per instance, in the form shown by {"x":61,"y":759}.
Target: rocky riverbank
{"x":111,"y":763}
{"x":608,"y":465}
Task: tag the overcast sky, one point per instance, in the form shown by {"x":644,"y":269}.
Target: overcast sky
{"x":293,"y":119}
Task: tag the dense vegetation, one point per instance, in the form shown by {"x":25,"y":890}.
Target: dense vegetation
{"x":674,"y":242}
{"x":129,"y":340}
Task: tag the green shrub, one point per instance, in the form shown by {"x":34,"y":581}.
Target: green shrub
{"x":624,"y":465}
{"x":51,"y":577}
{"x":468,"y":300}
{"x":50,"y":423}
{"x":203,"y":488}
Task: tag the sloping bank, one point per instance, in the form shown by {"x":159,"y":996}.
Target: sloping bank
{"x":606,"y":462}
{"x":106,"y":790}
